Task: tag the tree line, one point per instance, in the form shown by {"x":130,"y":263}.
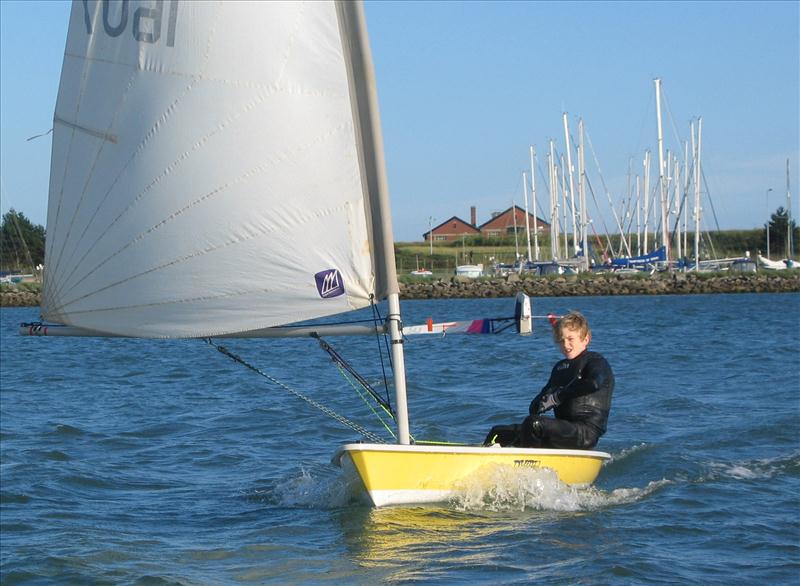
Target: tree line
{"x":21,"y":243}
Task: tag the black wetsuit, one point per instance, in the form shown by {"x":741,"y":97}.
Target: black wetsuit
{"x":586,"y":384}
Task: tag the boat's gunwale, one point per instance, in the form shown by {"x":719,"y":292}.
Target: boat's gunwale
{"x":463,"y":449}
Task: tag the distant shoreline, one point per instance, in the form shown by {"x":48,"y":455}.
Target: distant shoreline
{"x":603,"y":284}
{"x":557,"y":286}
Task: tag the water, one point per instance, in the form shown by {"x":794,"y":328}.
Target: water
{"x":158,"y":462}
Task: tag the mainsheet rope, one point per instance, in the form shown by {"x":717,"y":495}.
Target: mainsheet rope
{"x":330,"y":412}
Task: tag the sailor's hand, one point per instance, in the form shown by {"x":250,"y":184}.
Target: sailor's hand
{"x":534,"y":406}
{"x":547,"y":401}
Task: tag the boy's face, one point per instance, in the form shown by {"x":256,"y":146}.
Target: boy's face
{"x":572,"y":343}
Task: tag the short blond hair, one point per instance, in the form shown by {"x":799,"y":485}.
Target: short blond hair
{"x":574,"y":320}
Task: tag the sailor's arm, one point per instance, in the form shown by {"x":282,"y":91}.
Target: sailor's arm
{"x":534,"y":408}
{"x":595,"y":375}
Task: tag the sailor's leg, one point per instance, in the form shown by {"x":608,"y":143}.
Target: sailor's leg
{"x":530,"y":433}
{"x":562,"y":434}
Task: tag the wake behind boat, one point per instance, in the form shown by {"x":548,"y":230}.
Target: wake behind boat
{"x":178,"y":157}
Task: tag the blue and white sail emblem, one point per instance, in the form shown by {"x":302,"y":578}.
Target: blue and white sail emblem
{"x":329,"y":283}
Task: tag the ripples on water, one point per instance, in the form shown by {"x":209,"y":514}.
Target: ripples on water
{"x":134,"y":461}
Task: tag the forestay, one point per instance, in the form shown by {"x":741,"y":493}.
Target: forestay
{"x":215,"y":169}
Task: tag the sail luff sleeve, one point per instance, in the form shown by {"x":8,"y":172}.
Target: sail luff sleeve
{"x":370,"y":142}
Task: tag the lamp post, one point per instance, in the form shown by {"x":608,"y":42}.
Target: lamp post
{"x":768,"y":190}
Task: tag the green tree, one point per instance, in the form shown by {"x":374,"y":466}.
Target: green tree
{"x":21,"y":242}
{"x":779,"y":234}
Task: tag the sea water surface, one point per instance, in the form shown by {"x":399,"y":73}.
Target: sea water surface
{"x":164,"y":462}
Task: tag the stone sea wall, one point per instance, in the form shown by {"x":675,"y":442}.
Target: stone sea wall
{"x":559,"y":286}
{"x":12,"y":296}
{"x":602,"y":284}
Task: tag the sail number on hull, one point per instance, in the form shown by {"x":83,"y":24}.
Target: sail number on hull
{"x":146,"y":22}
{"x":527,"y":463}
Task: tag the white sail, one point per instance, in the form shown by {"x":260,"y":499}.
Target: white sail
{"x":215,"y":169}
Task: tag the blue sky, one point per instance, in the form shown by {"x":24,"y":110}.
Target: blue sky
{"x":466,"y":87}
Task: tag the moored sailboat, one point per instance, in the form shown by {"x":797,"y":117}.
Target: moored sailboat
{"x":183,"y":152}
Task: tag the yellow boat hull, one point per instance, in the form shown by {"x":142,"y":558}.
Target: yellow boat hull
{"x":395,"y":474}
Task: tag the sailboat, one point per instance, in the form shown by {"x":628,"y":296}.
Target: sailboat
{"x":217,"y":171}
{"x":774,"y":265}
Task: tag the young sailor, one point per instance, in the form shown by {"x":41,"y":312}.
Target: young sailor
{"x":579,"y":391}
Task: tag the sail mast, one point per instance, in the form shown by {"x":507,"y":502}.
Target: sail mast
{"x":686,"y":183}
{"x":551,"y":166}
{"x":678,"y":206}
{"x":697,"y":175}
{"x":638,"y":216}
{"x":527,"y":213}
{"x":371,"y":142}
{"x":584,"y":219}
{"x":789,"y":243}
{"x":662,"y":184}
{"x":571,"y":185}
{"x":533,"y":203}
{"x":646,"y":165}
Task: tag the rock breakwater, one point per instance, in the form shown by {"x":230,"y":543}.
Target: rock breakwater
{"x":558,"y":286}
{"x":603,"y":284}
{"x":19,"y":297}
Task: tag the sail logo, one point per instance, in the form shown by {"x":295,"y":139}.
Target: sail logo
{"x":329,"y":283}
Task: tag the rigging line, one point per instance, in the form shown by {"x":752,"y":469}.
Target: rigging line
{"x":607,"y":192}
{"x":707,"y":237}
{"x":710,"y":244}
{"x":15,"y":221}
{"x":678,"y":215}
{"x":330,"y":412}
{"x":543,"y":177}
{"x":708,"y":197}
{"x":342,"y":363}
{"x":646,"y":114}
{"x":376,"y":312}
{"x":671,"y":118}
{"x":16,"y":250}
{"x":602,"y":219}
{"x":367,"y":403}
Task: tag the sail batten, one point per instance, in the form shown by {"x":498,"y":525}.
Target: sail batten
{"x":205,"y":181}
